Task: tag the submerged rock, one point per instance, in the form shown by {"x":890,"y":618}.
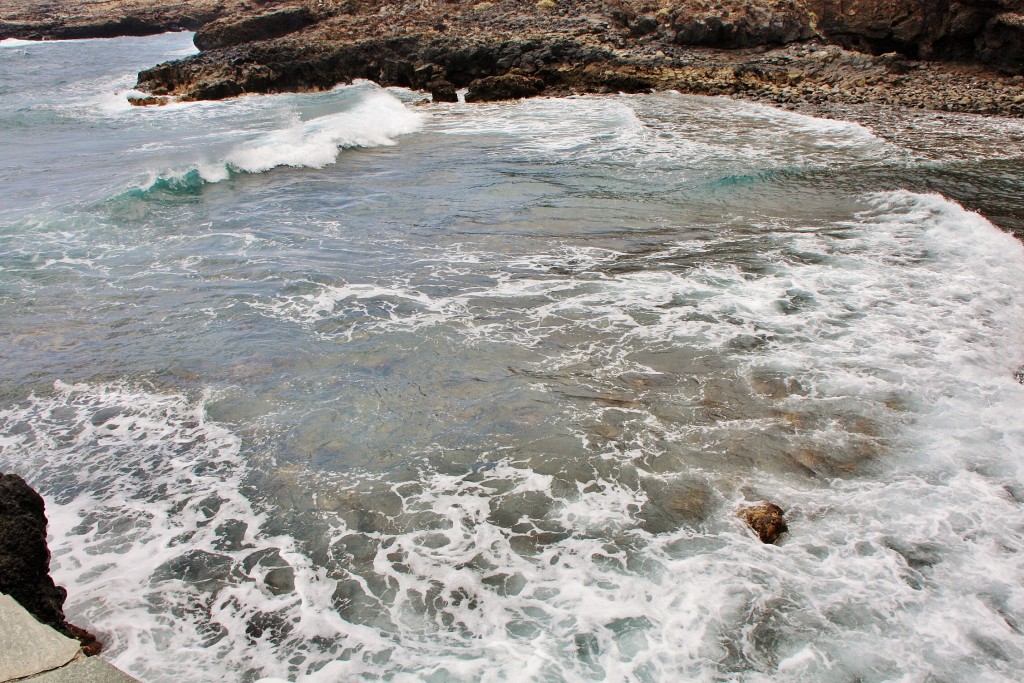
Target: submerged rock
{"x":674,"y":504}
{"x":25,"y":560}
{"x":149,"y":100}
{"x":767,"y":520}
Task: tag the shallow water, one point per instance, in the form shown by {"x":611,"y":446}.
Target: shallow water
{"x":335,"y":386}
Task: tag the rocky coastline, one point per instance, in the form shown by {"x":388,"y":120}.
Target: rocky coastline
{"x":62,"y":20}
{"x":947,"y":56}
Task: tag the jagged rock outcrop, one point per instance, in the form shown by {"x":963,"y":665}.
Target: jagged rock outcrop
{"x":31,"y":20}
{"x":25,"y":559}
{"x":492,"y":70}
{"x":741,"y":23}
{"x":230,"y":30}
{"x":776,"y":51}
{"x":1002,"y":41}
{"x":991,"y":31}
{"x":24,"y":556}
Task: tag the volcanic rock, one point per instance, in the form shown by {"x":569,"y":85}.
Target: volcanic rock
{"x":148,"y":101}
{"x":505,"y":87}
{"x":991,"y":31}
{"x":24,"y":556}
{"x":742,"y":23}
{"x":442,"y":90}
{"x":33,"y":20}
{"x":25,"y":559}
{"x":230,"y":30}
{"x":772,"y":51}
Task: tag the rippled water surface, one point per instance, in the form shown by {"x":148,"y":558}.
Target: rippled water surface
{"x":342,"y":386}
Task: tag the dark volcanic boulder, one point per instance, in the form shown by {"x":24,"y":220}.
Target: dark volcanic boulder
{"x":230,"y":31}
{"x":506,"y":87}
{"x":24,"y":557}
{"x":442,"y":90}
{"x":25,"y":560}
{"x":766,"y":520}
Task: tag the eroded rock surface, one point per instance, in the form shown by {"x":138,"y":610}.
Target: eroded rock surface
{"x":986,"y":30}
{"x":790,"y":52}
{"x":24,"y":556}
{"x":64,"y":19}
{"x":232,"y":30}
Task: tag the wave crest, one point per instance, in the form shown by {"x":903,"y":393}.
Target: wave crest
{"x":375,"y":121}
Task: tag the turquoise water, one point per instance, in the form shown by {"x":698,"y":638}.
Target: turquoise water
{"x":342,"y":386}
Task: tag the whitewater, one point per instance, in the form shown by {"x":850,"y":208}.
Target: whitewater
{"x":352,"y":386}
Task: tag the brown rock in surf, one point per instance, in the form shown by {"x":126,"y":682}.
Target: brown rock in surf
{"x":766,"y":519}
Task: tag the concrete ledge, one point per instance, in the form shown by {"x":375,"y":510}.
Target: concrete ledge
{"x":28,"y":647}
{"x":83,"y":670}
{"x":31,"y":651}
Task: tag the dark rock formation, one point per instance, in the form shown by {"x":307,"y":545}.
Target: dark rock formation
{"x":505,"y":87}
{"x":25,"y":559}
{"x":991,"y":31}
{"x":765,"y":50}
{"x":230,"y":30}
{"x":766,"y":520}
{"x":24,"y":556}
{"x":742,"y":23}
{"x":33,"y":20}
{"x":1002,"y":41}
{"x":442,"y":90}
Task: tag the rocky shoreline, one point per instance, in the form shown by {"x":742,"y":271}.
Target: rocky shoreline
{"x":29,"y":20}
{"x":955,"y":56}
{"x":883,"y":63}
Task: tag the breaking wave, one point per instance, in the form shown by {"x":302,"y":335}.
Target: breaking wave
{"x":375,"y":121}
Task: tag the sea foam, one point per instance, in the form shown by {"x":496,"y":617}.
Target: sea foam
{"x":481,"y":412}
{"x":374,"y":121}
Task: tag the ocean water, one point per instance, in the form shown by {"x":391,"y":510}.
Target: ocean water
{"x":343,"y":386}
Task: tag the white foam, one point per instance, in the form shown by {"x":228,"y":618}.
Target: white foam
{"x":375,"y":121}
{"x":667,"y":132}
{"x":15,"y":42}
{"x":536,"y":564}
{"x":711,"y":304}
{"x":145,"y":481}
{"x":914,"y":570}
